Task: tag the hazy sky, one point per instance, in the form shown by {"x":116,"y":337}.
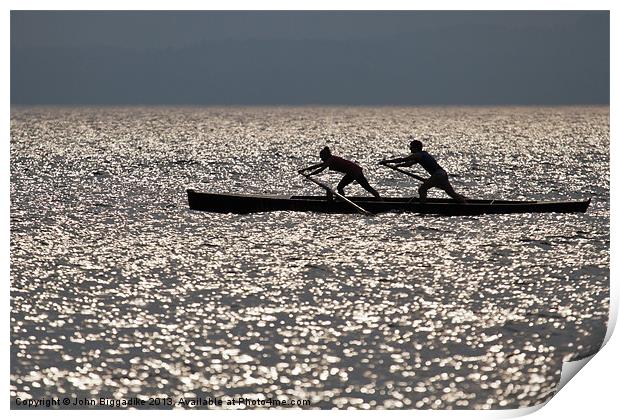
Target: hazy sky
{"x":372,"y":58}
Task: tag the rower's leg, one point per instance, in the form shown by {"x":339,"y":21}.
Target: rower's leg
{"x":364,"y":183}
{"x":346,"y":180}
{"x":423,"y":190}
{"x":447,"y":187}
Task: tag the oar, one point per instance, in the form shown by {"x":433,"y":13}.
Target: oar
{"x":411,"y":174}
{"x":338,"y":195}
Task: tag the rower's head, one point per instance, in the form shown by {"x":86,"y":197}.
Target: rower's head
{"x":325,"y":154}
{"x":415,"y":146}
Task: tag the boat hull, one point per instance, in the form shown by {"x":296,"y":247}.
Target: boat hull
{"x":243,"y":204}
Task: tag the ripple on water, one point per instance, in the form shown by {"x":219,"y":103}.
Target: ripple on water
{"x":118,"y":289}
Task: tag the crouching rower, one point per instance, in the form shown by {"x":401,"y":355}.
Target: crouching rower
{"x":438,"y":177}
{"x":352,"y":171}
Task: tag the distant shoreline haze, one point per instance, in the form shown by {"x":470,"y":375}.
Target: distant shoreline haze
{"x":470,"y":63}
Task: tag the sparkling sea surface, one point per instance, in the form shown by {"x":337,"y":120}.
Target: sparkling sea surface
{"x":119,"y":290}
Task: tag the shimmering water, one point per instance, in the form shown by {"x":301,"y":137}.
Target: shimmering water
{"x":119,"y":290}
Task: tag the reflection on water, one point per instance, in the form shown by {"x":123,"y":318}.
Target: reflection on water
{"x":119,"y":290}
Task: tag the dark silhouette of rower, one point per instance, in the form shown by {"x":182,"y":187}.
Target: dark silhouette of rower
{"x":438,"y":176}
{"x":352,"y":171}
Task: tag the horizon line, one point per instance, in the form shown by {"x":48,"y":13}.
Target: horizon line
{"x":94,"y":104}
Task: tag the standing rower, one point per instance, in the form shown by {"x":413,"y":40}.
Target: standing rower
{"x":438,"y":177}
{"x":352,"y":171}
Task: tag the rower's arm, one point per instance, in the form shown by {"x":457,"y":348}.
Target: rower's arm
{"x":309,"y":168}
{"x":321,"y":167}
{"x":404,"y":161}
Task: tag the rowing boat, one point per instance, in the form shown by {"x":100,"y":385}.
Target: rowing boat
{"x":242,"y":204}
